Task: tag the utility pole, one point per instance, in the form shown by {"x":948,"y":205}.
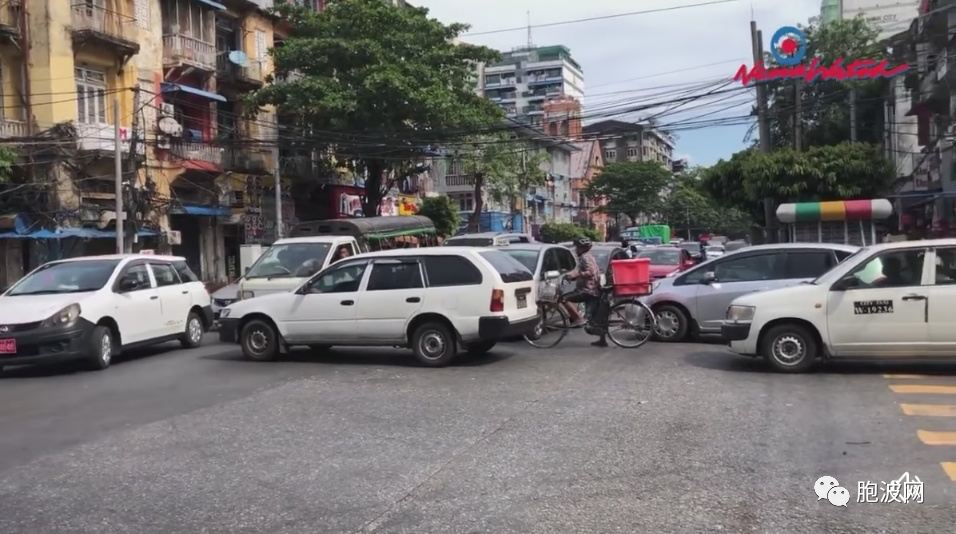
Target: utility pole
{"x":756,"y":37}
{"x":797,"y":114}
{"x":118,"y":170}
{"x":275,"y":174}
{"x":133,"y":206}
{"x":853,"y":114}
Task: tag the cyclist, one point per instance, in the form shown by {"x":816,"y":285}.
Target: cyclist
{"x":588,"y":287}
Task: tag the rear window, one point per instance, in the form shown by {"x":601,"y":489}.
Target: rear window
{"x":447,"y":271}
{"x":185,"y":273}
{"x":809,"y":264}
{"x":528,"y":258}
{"x":510,"y":269}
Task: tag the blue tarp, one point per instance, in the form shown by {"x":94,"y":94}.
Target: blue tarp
{"x":205,"y":211}
{"x":214,"y":5}
{"x":173,"y":87}
{"x":67,"y":233}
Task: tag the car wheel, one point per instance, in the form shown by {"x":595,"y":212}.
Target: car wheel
{"x":259,"y":341}
{"x":480,"y":347}
{"x":790,"y":348}
{"x":192,"y":337}
{"x":434,"y":345}
{"x":101,"y":348}
{"x":672,"y":324}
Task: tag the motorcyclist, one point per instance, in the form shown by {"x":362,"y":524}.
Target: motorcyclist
{"x":587,"y":289}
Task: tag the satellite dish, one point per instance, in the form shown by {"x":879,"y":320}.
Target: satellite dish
{"x":169,"y":126}
{"x":239,"y":58}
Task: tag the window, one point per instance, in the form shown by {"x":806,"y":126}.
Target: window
{"x":185,"y":273}
{"x":448,"y":271}
{"x":391,"y":275}
{"x":344,"y":279}
{"x":566,"y":260}
{"x":165,"y":274}
{"x":90,"y":96}
{"x":66,"y":277}
{"x":139,"y":273}
{"x":808,"y":264}
{"x":551,"y":262}
{"x":842,"y":255}
{"x":945,"y":266}
{"x":894,"y":268}
{"x":466,"y":201}
{"x":746,"y":269}
{"x":528,"y":258}
{"x":510,"y":269}
{"x":632,"y":152}
{"x":610,"y":155}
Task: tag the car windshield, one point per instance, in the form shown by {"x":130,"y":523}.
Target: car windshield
{"x":661,"y":256}
{"x":65,"y":277}
{"x":603,"y":257}
{"x":290,"y":260}
{"x":528,"y":258}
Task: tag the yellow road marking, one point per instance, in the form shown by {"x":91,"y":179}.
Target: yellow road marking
{"x":937,"y":438}
{"x":914,"y":377}
{"x":950,"y":469}
{"x":929,"y":410}
{"x":923,"y":389}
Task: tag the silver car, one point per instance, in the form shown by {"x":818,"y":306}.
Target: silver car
{"x":695,"y":301}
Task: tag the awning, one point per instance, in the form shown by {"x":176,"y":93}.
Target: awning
{"x":173,"y":87}
{"x":214,"y":5}
{"x":203,"y":211}
{"x":74,"y":233}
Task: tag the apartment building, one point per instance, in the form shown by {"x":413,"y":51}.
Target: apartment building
{"x":177,"y":69}
{"x":527,"y":77}
{"x":625,"y":141}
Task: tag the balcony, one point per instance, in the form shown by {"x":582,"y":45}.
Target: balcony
{"x":100,"y":138}
{"x":12,"y":129}
{"x":457,"y":184}
{"x":10,"y":13}
{"x":202,"y":152}
{"x":246,"y":160}
{"x":93,"y":24}
{"x":182,"y":50}
{"x":248,"y":77}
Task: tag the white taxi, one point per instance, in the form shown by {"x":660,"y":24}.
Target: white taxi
{"x":889,"y":300}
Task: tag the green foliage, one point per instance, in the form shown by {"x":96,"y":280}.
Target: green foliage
{"x":843,"y":171}
{"x":443,"y":213}
{"x":630,"y":188}
{"x":503,"y":167}
{"x":391,"y":77}
{"x":689,"y":206}
{"x":825,"y":104}
{"x":561,"y":232}
{"x":8,"y":158}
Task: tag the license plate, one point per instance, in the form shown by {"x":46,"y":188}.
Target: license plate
{"x":522,"y":302}
{"x":8,"y":346}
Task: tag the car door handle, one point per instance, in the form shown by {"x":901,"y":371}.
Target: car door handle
{"x":413,"y":299}
{"x":914,"y":297}
{"x":186,"y":292}
{"x":154,"y":297}
{"x":347,"y":302}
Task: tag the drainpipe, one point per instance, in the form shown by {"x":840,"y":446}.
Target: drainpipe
{"x":24,"y":71}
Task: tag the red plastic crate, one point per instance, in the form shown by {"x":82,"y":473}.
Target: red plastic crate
{"x":633,"y":271}
{"x":632,"y":290}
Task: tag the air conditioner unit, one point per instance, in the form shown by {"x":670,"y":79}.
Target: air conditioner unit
{"x":174,"y":237}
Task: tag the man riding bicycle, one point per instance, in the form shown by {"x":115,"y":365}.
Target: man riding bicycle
{"x":587,"y":275}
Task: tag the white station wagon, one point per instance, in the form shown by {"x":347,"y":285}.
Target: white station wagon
{"x":433,"y":300}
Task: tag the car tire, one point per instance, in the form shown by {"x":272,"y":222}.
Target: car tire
{"x":673,"y":324}
{"x":259,"y":341}
{"x":101,"y":350}
{"x":434,"y":345}
{"x":479,"y":348}
{"x":790,"y":348}
{"x":192,"y":337}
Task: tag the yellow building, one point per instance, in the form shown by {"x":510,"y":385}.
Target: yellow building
{"x":178,"y":69}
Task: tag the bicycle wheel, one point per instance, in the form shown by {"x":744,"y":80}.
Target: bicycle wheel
{"x":630,"y":324}
{"x":552,"y":328}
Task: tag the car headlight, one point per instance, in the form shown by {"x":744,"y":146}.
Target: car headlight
{"x":63,"y":317}
{"x":740,"y":314}
{"x":224,"y":313}
{"x":243,"y":295}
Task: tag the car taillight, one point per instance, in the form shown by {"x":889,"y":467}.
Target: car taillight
{"x":497,"y":300}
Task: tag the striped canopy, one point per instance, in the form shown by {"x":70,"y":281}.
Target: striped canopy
{"x":838,"y":210}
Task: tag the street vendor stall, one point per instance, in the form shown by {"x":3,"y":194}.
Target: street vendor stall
{"x":852,"y":222}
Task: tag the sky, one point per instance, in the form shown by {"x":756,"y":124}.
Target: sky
{"x":631,"y":60}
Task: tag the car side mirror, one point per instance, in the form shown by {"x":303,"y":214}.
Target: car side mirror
{"x":129,"y":284}
{"x":551,"y":275}
{"x":245,"y":271}
{"x":709,"y":278}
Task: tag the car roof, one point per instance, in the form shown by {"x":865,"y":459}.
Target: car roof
{"x":947,"y":242}
{"x":488,"y":235}
{"x":313,"y":239}
{"x":121,"y":257}
{"x":424,"y":251}
{"x":529,"y":246}
{"x":822,"y":246}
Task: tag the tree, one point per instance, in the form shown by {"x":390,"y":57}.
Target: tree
{"x":443,"y":213}
{"x":500,"y":165}
{"x":562,"y":232}
{"x":380,"y":83}
{"x":690,"y":208}
{"x":825,"y":104}
{"x":844,"y":171}
{"x":631,"y":188}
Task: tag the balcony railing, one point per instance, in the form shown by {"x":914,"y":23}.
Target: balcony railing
{"x":198,"y":152}
{"x":112,"y":27}
{"x":459,"y":181}
{"x":10,"y":19}
{"x":253,"y":72}
{"x":244,"y":159}
{"x":11,"y":128}
{"x":183,"y":49}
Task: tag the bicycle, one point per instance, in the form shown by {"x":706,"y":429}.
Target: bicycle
{"x":610,"y":311}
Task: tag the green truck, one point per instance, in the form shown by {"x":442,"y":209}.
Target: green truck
{"x":649,"y":234}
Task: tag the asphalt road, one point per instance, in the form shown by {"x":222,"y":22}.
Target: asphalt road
{"x":669,"y":438}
